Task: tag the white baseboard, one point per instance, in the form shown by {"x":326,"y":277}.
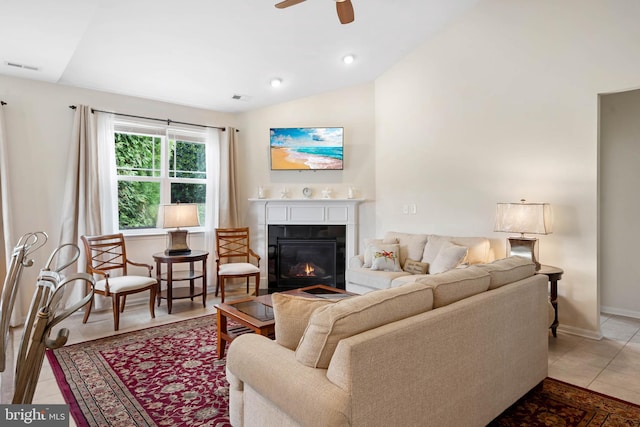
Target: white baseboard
{"x":585,"y":333}
{"x":620,"y":312}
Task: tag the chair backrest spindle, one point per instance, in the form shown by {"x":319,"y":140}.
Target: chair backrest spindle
{"x":233,"y":243}
{"x":107,"y":253}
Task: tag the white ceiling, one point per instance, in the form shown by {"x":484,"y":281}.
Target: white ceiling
{"x":202,"y":52}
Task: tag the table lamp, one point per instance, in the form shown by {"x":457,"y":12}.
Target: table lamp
{"x":523,"y":217}
{"x":175,"y":216}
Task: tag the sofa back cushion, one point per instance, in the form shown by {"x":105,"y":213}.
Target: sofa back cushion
{"x":329,"y":324}
{"x":411,"y":245}
{"x":508,"y":270}
{"x":456,"y":284}
{"x":291,"y":314}
{"x":479,"y":248}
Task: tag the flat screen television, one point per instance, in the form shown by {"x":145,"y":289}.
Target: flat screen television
{"x":306,"y":148}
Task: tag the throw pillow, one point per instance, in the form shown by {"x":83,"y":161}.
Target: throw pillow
{"x":433,"y":246}
{"x":386,"y":258}
{"x":448,"y":257}
{"x":369,"y":245}
{"x":411,"y":245}
{"x":291,"y":314}
{"x":416,"y":267}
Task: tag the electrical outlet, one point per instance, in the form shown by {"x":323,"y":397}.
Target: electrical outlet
{"x":414,"y":209}
{"x":405,"y":209}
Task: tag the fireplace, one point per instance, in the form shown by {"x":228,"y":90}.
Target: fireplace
{"x":305,"y":255}
{"x":323,"y":219}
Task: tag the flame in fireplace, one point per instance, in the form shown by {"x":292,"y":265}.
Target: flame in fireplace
{"x":308,"y":269}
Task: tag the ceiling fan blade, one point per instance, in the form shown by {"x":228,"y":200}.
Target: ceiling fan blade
{"x":345,"y":11}
{"x":287,"y":3}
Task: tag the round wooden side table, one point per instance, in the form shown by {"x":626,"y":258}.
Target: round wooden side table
{"x":171,"y":276}
{"x":554,"y":274}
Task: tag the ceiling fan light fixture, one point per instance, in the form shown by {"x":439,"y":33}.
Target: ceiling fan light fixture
{"x":348,"y":59}
{"x":275,"y":82}
{"x":343,"y":7}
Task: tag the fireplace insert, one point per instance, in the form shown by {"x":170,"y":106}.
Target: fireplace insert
{"x":305,"y":255}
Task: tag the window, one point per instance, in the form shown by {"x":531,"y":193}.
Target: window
{"x":157,"y":165}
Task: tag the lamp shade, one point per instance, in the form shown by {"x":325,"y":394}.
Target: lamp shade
{"x":178,"y":215}
{"x":533,"y":218}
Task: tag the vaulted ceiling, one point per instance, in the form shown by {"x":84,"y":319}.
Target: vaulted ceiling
{"x":203,"y":52}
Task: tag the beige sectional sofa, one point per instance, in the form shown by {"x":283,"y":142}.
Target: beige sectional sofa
{"x":452,"y":349}
{"x":435,"y":252}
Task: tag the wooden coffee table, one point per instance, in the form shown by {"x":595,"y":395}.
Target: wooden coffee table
{"x":255,"y":314}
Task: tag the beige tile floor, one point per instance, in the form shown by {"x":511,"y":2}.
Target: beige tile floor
{"x":609,"y":366}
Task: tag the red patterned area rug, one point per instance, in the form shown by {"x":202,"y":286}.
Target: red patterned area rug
{"x":167,"y":375}
{"x":556,"y":403}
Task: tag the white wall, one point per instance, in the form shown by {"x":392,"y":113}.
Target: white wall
{"x":39,"y":121}
{"x":503,"y":105}
{"x":619,"y":203}
{"x":351,"y":108}
{"x":39,"y":124}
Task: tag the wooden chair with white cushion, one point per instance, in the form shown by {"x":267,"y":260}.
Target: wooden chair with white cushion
{"x":107,"y":255}
{"x":233,"y":255}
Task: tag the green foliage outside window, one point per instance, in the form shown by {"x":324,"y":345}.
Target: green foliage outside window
{"x":137,"y":155}
{"x":138,"y":204}
{"x":190,"y":193}
{"x":187,"y":160}
{"x":138,"y":161}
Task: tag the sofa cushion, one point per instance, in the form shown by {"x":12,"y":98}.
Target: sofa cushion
{"x":508,"y":270}
{"x":449,"y":256}
{"x":479,"y":248}
{"x":456,"y":284}
{"x":411,"y":245}
{"x":403,"y":280}
{"x":415,"y":267}
{"x":374,"y":279}
{"x":385,"y":257}
{"x":329,"y":324}
{"x":291,"y":314}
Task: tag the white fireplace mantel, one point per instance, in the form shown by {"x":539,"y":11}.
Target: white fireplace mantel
{"x":308,"y":212}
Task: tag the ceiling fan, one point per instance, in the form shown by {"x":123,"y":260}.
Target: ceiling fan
{"x":343,"y":7}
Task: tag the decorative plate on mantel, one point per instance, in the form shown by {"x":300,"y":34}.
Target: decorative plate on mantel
{"x":306,"y":192}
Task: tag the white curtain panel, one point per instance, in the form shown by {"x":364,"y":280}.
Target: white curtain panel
{"x":107,"y":178}
{"x":228,"y":195}
{"x":212,"y":209}
{"x":81,"y":213}
{"x":7,"y":237}
{"x":5,"y":214}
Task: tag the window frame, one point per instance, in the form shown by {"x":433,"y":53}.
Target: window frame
{"x":166,"y":133}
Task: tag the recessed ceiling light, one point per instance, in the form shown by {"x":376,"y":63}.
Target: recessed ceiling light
{"x":348,"y":59}
{"x":275,"y":82}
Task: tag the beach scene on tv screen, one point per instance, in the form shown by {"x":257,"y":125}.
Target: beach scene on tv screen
{"x":306,"y":148}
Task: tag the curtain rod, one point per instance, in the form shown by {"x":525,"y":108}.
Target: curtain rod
{"x":167,"y":121}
